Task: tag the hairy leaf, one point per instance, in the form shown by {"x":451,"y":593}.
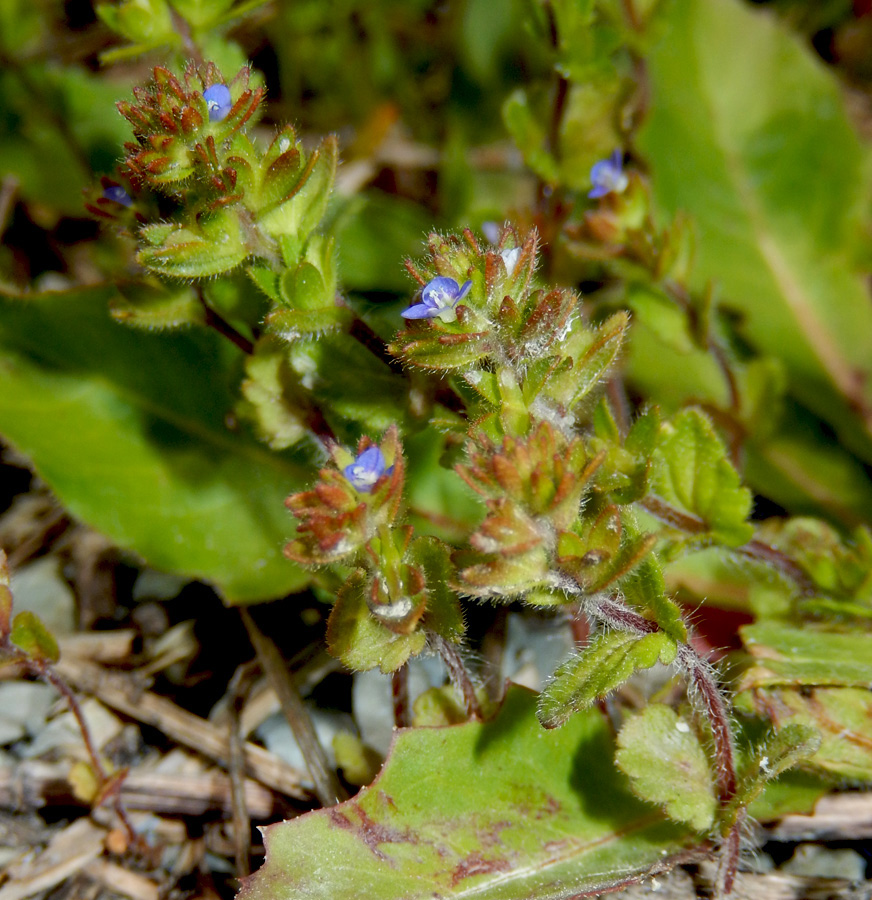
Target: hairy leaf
{"x":667,"y":765}
{"x":692,"y":473}
{"x":597,"y":669}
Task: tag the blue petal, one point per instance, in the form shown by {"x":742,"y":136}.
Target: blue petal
{"x":419,"y":311}
{"x":117,"y":194}
{"x":440,"y":285}
{"x":219,"y":101}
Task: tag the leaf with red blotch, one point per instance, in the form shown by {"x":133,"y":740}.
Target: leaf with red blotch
{"x":496,"y":810}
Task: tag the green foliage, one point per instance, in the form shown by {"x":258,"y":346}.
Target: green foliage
{"x":192,"y":495}
{"x":480,"y":439}
{"x":691,"y":472}
{"x":31,"y":636}
{"x":601,"y":667}
{"x":412,"y":833}
{"x":777,"y":181}
{"x":667,"y":765}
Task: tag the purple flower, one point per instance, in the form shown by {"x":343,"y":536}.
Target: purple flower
{"x":218,"y":101}
{"x":439,"y":299}
{"x":608,"y":177}
{"x":117,"y":194}
{"x":366,"y":470}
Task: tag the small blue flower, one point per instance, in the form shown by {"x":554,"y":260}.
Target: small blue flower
{"x":439,"y":299}
{"x":117,"y":194}
{"x":219,"y":101}
{"x":366,"y":470}
{"x":608,"y":177}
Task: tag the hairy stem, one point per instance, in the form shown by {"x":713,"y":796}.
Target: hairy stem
{"x":400,"y":696}
{"x":458,"y":674}
{"x":755,"y":549}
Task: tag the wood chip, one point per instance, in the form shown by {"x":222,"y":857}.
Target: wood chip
{"x":68,"y":852}
{"x":121,"y":692}
{"x":845,"y":817}
{"x":122,"y":881}
{"x":34,"y":785}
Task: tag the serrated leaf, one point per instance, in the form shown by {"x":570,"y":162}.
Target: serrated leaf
{"x":645,"y":588}
{"x":777,"y":181}
{"x":129,"y":430}
{"x":692,"y":473}
{"x":30,"y":635}
{"x":359,"y":640}
{"x":667,"y":765}
{"x":212,"y":247}
{"x":598,"y":669}
{"x":498,"y":810}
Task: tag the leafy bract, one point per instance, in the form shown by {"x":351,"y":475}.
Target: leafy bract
{"x":692,"y":472}
{"x":145,"y":454}
{"x":666,"y":764}
{"x":600,"y":667}
{"x":776,"y":180}
{"x":495,"y":810}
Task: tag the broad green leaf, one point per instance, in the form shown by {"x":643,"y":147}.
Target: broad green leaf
{"x":842,"y":716}
{"x":804,"y":657}
{"x":30,"y":635}
{"x":496,"y":811}
{"x":129,"y":430}
{"x":597,"y":669}
{"x":747,"y":132}
{"x":667,"y":765}
{"x":692,"y":473}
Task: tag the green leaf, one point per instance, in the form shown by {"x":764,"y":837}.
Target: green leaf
{"x":129,"y":429}
{"x":841,"y":720}
{"x":359,"y":640}
{"x":213,"y":246}
{"x":692,"y":473}
{"x":667,"y":765}
{"x":597,"y":669}
{"x":496,"y":810}
{"x":645,"y":588}
{"x":787,"y":655}
{"x":299,"y":214}
{"x":777,"y":181}
{"x":444,"y":615}
{"x":30,"y":635}
{"x":781,"y":751}
{"x":156,"y":306}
